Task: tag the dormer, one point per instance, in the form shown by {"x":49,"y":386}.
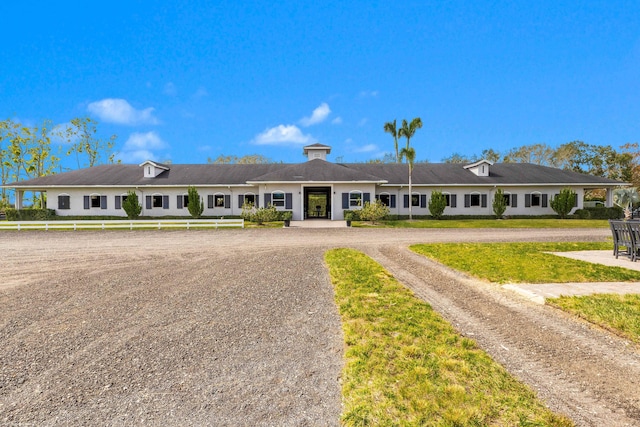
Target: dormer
{"x":479,"y":168}
{"x":317,"y":151}
{"x":152,"y":169}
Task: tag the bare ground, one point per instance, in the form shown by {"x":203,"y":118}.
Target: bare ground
{"x":239,"y":327}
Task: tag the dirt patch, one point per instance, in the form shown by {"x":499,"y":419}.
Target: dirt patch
{"x":239,"y":327}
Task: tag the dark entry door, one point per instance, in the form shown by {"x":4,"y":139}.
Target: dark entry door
{"x":317,"y":203}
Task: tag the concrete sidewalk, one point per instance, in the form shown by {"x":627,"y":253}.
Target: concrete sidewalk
{"x":538,"y":292}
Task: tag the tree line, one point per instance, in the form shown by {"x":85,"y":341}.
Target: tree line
{"x":28,"y":152}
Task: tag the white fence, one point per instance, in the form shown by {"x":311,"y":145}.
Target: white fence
{"x":148,"y":224}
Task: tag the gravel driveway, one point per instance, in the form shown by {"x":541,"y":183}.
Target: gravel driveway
{"x":239,"y":327}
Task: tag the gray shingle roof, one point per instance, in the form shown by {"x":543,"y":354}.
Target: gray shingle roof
{"x":315,"y":171}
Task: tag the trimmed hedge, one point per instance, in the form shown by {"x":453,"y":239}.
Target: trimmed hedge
{"x":614,"y":212}
{"x":29,"y":214}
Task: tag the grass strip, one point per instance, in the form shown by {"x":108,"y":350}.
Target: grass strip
{"x":618,"y":313}
{"x":489,"y":223}
{"x":525,"y":262}
{"x":407,"y":366}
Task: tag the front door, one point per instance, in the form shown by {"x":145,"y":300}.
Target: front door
{"x":317,"y":203}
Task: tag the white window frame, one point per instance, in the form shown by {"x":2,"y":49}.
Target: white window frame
{"x":538,"y":195}
{"x":355,"y":202}
{"x":280,"y":202}
{"x":471,"y":196}
{"x":68,"y":199}
{"x":154,"y":197}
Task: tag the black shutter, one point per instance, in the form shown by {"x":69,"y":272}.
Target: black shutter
{"x":345,"y":200}
{"x":257,"y":200}
{"x":118,"y":205}
{"x":179,"y":202}
{"x":483,"y":200}
{"x":103,"y":202}
{"x":392,"y":201}
{"x":165,"y":202}
{"x":575,"y":200}
{"x":210,"y":201}
{"x":406,"y":200}
{"x":267,"y":199}
{"x":227,"y":201}
{"x":544,"y":200}
{"x":240,"y":200}
{"x":148,"y":198}
{"x":467,"y":200}
{"x":514,"y":200}
{"x":288,"y":201}
{"x":527,"y":200}
{"x":87,"y":202}
{"x":453,"y":200}
{"x":366,"y":197}
{"x":423,"y":200}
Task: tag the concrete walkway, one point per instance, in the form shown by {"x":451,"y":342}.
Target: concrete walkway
{"x":318,"y":223}
{"x":538,"y":292}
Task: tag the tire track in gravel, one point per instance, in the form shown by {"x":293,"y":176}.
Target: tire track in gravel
{"x":583,"y":372}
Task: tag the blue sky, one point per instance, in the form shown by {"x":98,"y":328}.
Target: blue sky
{"x":184,"y":81}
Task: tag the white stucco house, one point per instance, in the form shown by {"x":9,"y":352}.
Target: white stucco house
{"x":313,"y":189}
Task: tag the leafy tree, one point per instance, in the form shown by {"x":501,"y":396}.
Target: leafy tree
{"x":538,"y":154}
{"x":563,"y":202}
{"x":437,"y":204}
{"x":249,"y":159}
{"x":131,"y":205}
{"x":626,"y":198}
{"x":374,"y":211}
{"x":409,"y":129}
{"x":499,"y":203}
{"x":456,"y":158}
{"x":390,"y":127}
{"x":410,"y":155}
{"x":489,"y":154}
{"x":195,"y":204}
{"x":387,"y":158}
{"x":82,"y":136}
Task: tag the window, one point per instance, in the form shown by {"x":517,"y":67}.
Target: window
{"x":535,"y":199}
{"x":64,"y":201}
{"x":415,"y":200}
{"x":250,"y":199}
{"x":95,"y":201}
{"x":157,"y":201}
{"x":218,"y":201}
{"x":507,"y":199}
{"x":355,"y":199}
{"x":447,"y":198}
{"x":182,"y":201}
{"x":474,"y":200}
{"x":277,"y":200}
{"x":385,"y":199}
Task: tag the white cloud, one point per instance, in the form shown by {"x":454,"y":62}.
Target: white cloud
{"x":319,"y":115}
{"x":170,"y":89}
{"x":201,"y":93}
{"x":142,"y":146}
{"x":336,"y":121}
{"x":368,"y":94}
{"x":283,"y":135}
{"x":366,"y":148}
{"x":363,"y":122}
{"x":113,"y":110}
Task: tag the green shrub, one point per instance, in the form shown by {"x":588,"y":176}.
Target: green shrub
{"x":563,"y":202}
{"x":259,"y":215}
{"x":131,"y":205}
{"x":437,"y":204}
{"x":29,"y":214}
{"x":195,"y":205}
{"x":499,"y":203}
{"x":350,"y":215}
{"x":286,"y":215}
{"x":374,"y":211}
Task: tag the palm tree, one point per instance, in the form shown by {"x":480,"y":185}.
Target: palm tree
{"x":390,"y":127}
{"x":625,"y":198}
{"x":410,"y":154}
{"x":409,"y":129}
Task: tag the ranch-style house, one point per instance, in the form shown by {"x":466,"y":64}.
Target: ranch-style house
{"x":312,"y":189}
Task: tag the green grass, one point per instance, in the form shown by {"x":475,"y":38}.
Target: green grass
{"x":406,"y":366}
{"x":490,"y":223}
{"x":618,"y":313}
{"x":525,"y":262}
